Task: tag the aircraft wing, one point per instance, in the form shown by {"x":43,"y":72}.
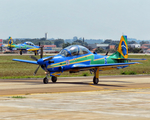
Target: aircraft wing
{"x":4,"y":45}
{"x":26,"y":61}
{"x":33,"y":49}
{"x":103,"y":66}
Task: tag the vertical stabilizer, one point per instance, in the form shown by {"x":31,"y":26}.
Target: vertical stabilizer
{"x":123,"y":47}
{"x":10,"y":41}
{"x":122,"y":51}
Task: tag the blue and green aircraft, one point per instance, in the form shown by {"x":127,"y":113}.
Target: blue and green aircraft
{"x":27,"y":46}
{"x":77,"y":58}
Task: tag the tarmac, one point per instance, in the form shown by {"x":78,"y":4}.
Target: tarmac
{"x":115,"y":97}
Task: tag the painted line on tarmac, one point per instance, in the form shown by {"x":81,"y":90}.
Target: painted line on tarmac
{"x":122,"y":90}
{"x":95,"y":86}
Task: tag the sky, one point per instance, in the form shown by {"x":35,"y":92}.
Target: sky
{"x":91,"y":19}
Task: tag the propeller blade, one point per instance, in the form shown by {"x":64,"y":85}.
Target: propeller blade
{"x":39,"y":43}
{"x":44,"y":66}
{"x":45,"y":69}
{"x":107,"y":53}
{"x":42,"y":52}
{"x":36,"y":70}
{"x":34,"y":58}
{"x":48,"y":59}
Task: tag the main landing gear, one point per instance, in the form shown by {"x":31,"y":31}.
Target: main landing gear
{"x":20,"y":52}
{"x":95,"y":80}
{"x":35,"y":53}
{"x":53,"y":79}
{"x":96,"y":76}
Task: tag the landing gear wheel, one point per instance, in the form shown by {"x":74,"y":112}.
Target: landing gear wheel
{"x":54,"y":79}
{"x":45,"y":80}
{"x":95,"y":80}
{"x":20,"y":52}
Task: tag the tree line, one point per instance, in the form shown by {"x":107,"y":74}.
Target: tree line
{"x":61,"y":43}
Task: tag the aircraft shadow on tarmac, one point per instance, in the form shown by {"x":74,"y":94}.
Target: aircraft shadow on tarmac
{"x":87,"y":83}
{"x":34,"y":82}
{"x":115,"y":81}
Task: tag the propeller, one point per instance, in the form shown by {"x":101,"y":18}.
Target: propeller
{"x":48,"y":59}
{"x":41,"y":61}
{"x":41,"y":51}
{"x":36,"y":70}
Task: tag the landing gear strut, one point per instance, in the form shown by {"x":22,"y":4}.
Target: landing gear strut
{"x":54,"y":79}
{"x":35,"y":53}
{"x":96,"y":76}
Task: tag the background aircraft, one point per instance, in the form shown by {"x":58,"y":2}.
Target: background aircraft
{"x":77,"y":58}
{"x":27,"y":46}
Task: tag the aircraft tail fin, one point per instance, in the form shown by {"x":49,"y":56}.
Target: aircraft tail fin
{"x":122,"y":51}
{"x":10,"y":41}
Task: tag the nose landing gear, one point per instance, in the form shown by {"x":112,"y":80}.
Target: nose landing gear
{"x":45,"y":80}
{"x":53,"y":79}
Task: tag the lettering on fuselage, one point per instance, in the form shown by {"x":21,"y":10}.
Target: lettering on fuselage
{"x":105,"y":60}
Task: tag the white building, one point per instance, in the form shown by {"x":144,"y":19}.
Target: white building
{"x":134,"y":45}
{"x":104,"y":46}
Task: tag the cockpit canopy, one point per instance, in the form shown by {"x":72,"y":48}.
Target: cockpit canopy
{"x":29,"y":43}
{"x":74,"y":50}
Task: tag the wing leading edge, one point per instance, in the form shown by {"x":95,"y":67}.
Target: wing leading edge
{"x":26,"y":61}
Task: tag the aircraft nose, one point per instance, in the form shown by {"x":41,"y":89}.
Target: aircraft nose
{"x":40,"y":61}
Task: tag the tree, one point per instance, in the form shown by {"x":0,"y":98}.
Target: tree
{"x":135,"y":50}
{"x":17,"y":41}
{"x":80,"y":42}
{"x":59,"y":42}
{"x":66,"y":45}
{"x":100,"y":50}
{"x":108,"y":41}
{"x":132,"y":42}
{"x":144,"y":42}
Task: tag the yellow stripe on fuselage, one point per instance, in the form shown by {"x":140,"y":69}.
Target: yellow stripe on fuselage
{"x":59,"y":64}
{"x":100,"y":58}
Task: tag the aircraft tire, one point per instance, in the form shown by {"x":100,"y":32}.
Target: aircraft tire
{"x":45,"y":80}
{"x":54,"y":79}
{"x":95,"y":80}
{"x":20,"y":52}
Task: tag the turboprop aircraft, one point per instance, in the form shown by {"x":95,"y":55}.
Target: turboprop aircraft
{"x":77,"y":58}
{"x":27,"y":46}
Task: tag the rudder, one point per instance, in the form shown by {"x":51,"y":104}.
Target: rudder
{"x":10,"y":41}
{"x":123,"y":47}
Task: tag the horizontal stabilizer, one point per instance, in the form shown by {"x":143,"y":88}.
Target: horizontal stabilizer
{"x":26,"y":61}
{"x":127,"y":59}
